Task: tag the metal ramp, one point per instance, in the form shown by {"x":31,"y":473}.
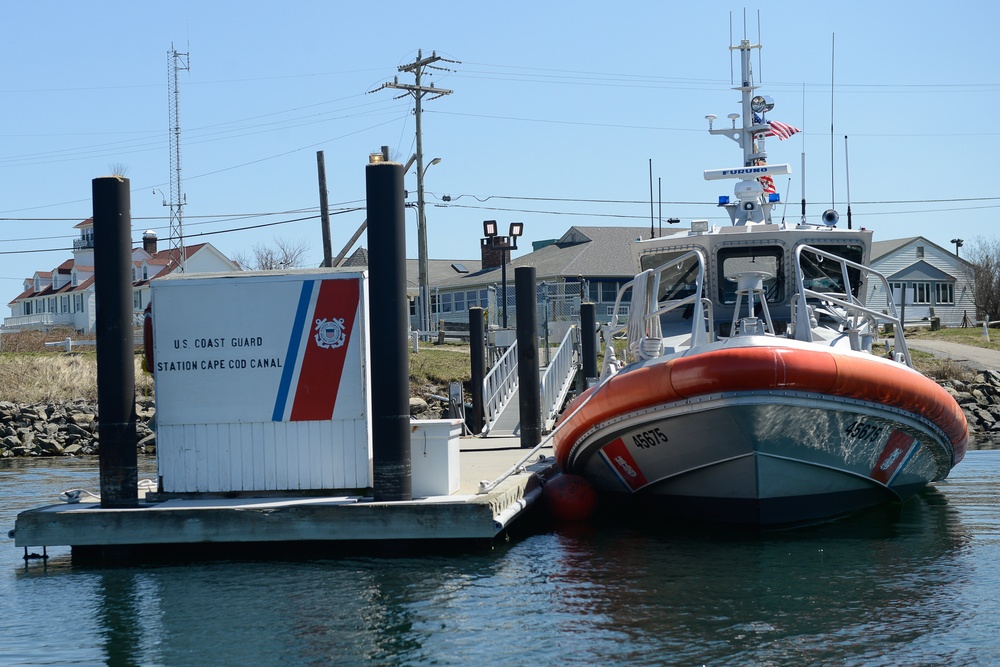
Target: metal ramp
{"x":508,"y":422}
{"x":500,"y":390}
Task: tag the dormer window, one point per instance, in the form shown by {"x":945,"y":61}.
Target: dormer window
{"x":74,"y":279}
{"x":145,"y":271}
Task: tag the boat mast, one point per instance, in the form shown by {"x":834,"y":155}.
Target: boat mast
{"x":754,"y":205}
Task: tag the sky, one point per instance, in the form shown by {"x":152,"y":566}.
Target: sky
{"x":557,"y":111}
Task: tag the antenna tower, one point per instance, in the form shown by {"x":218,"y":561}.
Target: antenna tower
{"x":417,"y":68}
{"x":175,"y":63}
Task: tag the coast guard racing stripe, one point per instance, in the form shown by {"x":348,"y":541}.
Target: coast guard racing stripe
{"x":317,"y":350}
{"x":898,"y":450}
{"x":620,"y":460}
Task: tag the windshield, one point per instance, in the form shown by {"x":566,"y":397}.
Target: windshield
{"x":825,"y":275}
{"x":766,"y":260}
{"x":678,"y":280}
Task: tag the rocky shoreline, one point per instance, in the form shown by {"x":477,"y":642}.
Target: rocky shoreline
{"x":70,"y":428}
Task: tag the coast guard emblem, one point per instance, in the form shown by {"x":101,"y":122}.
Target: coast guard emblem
{"x":330,"y":333}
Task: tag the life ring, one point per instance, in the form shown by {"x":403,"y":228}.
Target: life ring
{"x":147,"y":338}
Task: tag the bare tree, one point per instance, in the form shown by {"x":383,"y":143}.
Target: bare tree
{"x":984,"y":254}
{"x":283,"y":254}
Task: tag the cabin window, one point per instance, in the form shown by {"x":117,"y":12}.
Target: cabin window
{"x":944,"y":293}
{"x":678,"y":280}
{"x":823,"y":275}
{"x":744,"y":259}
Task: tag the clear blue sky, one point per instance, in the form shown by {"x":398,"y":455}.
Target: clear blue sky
{"x":556,"y":105}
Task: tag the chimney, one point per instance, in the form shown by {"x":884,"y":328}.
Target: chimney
{"x":149,"y":241}
{"x":494,"y":257}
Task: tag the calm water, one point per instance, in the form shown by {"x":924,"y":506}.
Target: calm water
{"x":919,"y":588}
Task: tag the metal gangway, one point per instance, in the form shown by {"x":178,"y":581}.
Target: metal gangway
{"x":500,"y":386}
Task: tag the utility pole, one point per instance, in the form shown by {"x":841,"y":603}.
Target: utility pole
{"x":324,"y":210}
{"x":418,"y":90}
{"x":175,"y":63}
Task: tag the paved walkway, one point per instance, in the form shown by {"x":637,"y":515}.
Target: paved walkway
{"x":968,"y":354}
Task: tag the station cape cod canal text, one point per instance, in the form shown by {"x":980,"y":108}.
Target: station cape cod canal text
{"x":224,"y":361}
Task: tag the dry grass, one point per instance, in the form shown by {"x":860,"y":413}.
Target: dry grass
{"x":57,"y":377}
{"x":439,"y":366}
{"x":30,"y":372}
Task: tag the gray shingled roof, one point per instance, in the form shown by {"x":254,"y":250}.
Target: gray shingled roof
{"x":439,"y":270}
{"x":591,"y":252}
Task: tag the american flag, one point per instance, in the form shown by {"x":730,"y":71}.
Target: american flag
{"x":777,"y":129}
{"x":767,"y":182}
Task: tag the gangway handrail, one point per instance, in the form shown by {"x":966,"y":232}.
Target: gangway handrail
{"x":498,"y":386}
{"x":558,"y":379}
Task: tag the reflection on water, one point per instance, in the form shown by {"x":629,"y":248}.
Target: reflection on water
{"x":912,"y":587}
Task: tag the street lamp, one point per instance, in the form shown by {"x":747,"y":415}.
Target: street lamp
{"x":505,"y":244}
{"x":423,"y":269}
{"x":958,"y":244}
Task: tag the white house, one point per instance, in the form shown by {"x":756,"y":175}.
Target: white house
{"x":64,"y":296}
{"x":924,"y":276}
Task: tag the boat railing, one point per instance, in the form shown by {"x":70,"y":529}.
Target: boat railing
{"x":854,"y":315}
{"x":498,"y":386}
{"x":643,"y":329}
{"x":558,"y":378}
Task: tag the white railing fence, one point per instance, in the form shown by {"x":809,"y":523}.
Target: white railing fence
{"x":498,"y":386}
{"x":558,"y":379}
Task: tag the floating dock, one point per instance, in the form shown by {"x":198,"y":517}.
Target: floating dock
{"x":282,"y":413}
{"x":193,"y":525}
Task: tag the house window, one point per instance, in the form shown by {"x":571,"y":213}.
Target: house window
{"x":898,"y":291}
{"x":484,"y":298}
{"x":26,"y":308}
{"x":921,"y":292}
{"x":65,"y":304}
{"x":446,"y":303}
{"x":944,"y":293}
{"x":920,"y":252}
{"x":459,"y":302}
{"x":74,"y":279}
{"x":609,"y":292}
{"x":78,"y":302}
{"x":145,"y":271}
{"x":137,"y":300}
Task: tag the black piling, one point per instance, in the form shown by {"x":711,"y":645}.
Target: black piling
{"x":115,"y":342}
{"x":588,"y":339}
{"x":528,"y":377}
{"x":388,"y":324}
{"x":477,"y":350}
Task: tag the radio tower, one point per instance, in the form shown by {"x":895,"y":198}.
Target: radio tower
{"x":175,"y":63}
